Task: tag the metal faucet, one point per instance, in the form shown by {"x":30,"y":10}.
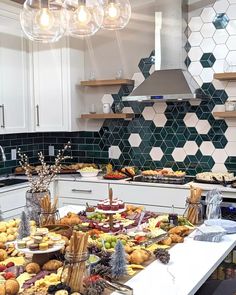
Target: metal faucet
{"x":3,"y":154}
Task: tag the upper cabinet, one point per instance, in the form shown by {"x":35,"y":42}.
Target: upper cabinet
{"x":13,"y":73}
{"x":56,"y":70}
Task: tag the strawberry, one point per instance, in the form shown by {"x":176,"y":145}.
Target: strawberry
{"x":2,"y":267}
{"x":8,"y":275}
{"x":10,"y":264}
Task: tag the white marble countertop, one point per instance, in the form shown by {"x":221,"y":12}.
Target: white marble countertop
{"x":191,"y":263}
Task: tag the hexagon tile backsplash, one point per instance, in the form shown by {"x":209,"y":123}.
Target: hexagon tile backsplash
{"x":185,"y":135}
{"x":182,"y":135}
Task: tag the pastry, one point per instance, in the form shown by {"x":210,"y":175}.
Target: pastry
{"x":50,"y":244}
{"x":37,"y":239}
{"x":43,"y":246}
{"x":167,"y":241}
{"x":3,"y":237}
{"x":32,"y":268}
{"x":12,"y":287}
{"x":2,"y":289}
{"x":29,"y":243}
{"x":21,"y":244}
{"x":34,"y":247}
{"x":26,"y":239}
{"x":176,"y":238}
{"x":52,"y":265}
{"x":3,"y":254}
{"x":2,"y":246}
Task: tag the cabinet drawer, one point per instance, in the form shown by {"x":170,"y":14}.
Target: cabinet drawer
{"x":160,"y":197}
{"x":82,"y":190}
{"x":15,"y":213}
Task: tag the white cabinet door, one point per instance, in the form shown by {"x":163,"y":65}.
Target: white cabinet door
{"x":13,"y":202}
{"x":157,"y":199}
{"x":50,"y":86}
{"x":13,"y":75}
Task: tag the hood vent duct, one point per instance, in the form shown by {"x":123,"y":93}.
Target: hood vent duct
{"x":170,"y":80}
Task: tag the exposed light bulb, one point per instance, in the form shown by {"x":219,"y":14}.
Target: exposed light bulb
{"x":83,"y":15}
{"x":113,"y":11}
{"x":44,"y":19}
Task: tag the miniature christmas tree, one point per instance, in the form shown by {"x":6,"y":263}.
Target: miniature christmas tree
{"x":118,"y":261}
{"x":24,"y":228}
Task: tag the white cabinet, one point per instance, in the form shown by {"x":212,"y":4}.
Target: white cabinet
{"x":78,"y":193}
{"x":56,"y":70}
{"x":12,"y":202}
{"x":154,"y":198}
{"x":13,"y":73}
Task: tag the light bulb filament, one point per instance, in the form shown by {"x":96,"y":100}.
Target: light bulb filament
{"x":113,"y":11}
{"x":45,"y":19}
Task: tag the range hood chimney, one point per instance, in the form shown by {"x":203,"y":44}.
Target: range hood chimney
{"x":170,"y":80}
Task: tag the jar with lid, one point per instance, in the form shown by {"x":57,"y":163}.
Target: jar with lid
{"x":49,"y":218}
{"x":75,"y":271}
{"x":194,"y":212}
{"x":230,"y":106}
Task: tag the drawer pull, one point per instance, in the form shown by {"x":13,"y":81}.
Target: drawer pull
{"x":89,"y":191}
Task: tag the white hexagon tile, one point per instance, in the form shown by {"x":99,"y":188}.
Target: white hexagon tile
{"x":148,"y":113}
{"x":114,"y":152}
{"x":195,"y":24}
{"x":220,"y":6}
{"x":179,"y":154}
{"x":190,"y":119}
{"x":160,"y":120}
{"x":156,"y":154}
{"x":207,"y":148}
{"x":135,"y":140}
{"x":160,"y":107}
{"x":191,"y":148}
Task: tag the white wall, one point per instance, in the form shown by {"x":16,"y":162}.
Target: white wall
{"x":109,"y":51}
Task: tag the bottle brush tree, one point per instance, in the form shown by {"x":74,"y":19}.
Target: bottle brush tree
{"x":24,"y":228}
{"x":118,"y":261}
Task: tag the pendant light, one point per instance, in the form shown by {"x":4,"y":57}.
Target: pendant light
{"x":84,"y":17}
{"x":43,"y":20}
{"x":117,"y":14}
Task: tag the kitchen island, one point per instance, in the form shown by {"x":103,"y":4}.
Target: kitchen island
{"x":191,"y":263}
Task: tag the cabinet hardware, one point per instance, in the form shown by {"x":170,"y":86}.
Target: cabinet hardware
{"x":37,"y":115}
{"x":3,"y":116}
{"x":89,"y":191}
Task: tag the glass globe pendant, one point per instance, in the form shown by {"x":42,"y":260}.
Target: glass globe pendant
{"x":117,"y":14}
{"x":43,"y":20}
{"x":84,"y":17}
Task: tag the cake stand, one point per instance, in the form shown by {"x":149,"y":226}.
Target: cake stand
{"x":110,"y":213}
{"x":39,"y":256}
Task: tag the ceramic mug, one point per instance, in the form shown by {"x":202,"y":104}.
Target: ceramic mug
{"x":106,"y":108}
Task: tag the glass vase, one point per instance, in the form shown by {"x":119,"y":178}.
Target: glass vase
{"x":75,"y":270}
{"x":194,"y":212}
{"x":33,"y":208}
{"x":49,"y":218}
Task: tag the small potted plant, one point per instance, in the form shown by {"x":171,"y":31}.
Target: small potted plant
{"x":39,"y":183}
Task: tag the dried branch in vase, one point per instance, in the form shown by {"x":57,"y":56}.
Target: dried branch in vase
{"x":46,"y":172}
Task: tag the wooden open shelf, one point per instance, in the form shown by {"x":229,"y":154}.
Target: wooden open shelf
{"x":113,"y":82}
{"x":225,"y":76}
{"x":225,"y":114}
{"x":108,"y":116}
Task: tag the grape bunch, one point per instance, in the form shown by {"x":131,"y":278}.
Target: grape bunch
{"x":163,"y":255}
{"x":81,"y":213}
{"x":94,"y":249}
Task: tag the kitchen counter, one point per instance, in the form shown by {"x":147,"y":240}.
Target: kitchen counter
{"x":191,"y":263}
{"x":99,"y":179}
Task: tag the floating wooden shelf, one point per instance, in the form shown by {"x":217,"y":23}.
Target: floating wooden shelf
{"x":108,"y":116}
{"x":225,"y":114}
{"x":114,"y":82}
{"x":225,"y":76}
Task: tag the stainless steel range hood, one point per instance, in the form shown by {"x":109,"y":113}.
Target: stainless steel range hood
{"x":170,"y":80}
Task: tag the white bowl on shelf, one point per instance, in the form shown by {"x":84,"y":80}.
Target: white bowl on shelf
{"x":89,"y":173}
